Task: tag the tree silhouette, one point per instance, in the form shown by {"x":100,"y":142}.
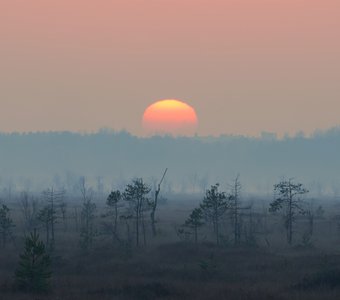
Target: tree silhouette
{"x":288,"y":200}
{"x":46,"y":216}
{"x":195,"y":221}
{"x":154,"y":204}
{"x":236,"y":209}
{"x":33,"y":273}
{"x":112,"y":203}
{"x":63,"y":210}
{"x":29,"y":209}
{"x":214,"y":206}
{"x":49,"y":214}
{"x":87,"y":230}
{"x":136,"y":195}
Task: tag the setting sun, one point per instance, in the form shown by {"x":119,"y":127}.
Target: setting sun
{"x":170,"y":116}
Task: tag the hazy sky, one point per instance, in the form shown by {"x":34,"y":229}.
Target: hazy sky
{"x":246,"y":66}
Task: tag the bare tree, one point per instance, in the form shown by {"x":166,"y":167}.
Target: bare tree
{"x":250,"y":227}
{"x":113,"y":203}
{"x":63,"y":210}
{"x":311,"y":214}
{"x":128,"y":242}
{"x":46,"y":217}
{"x":154,"y":204}
{"x":75,"y":216}
{"x":288,"y":200}
{"x":53,"y":199}
{"x":214,"y":206}
{"x":236,"y":209}
{"x":29,"y":209}
{"x":87,"y":231}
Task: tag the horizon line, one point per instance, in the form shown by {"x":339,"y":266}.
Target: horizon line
{"x":108,"y":130}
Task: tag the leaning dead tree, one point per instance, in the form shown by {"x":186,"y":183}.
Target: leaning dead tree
{"x":154,"y":205}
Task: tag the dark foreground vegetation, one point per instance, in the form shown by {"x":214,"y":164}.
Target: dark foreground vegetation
{"x":184,"y":271}
{"x":134,"y":244}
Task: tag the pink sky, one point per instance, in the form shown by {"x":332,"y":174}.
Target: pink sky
{"x":246,"y":66}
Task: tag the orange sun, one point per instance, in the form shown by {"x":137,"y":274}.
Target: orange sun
{"x":170,"y":116}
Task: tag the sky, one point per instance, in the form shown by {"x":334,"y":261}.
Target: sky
{"x":246,"y":66}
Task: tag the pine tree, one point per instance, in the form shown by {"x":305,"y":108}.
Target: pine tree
{"x":136,"y":194}
{"x":195,"y":221}
{"x":33,"y":273}
{"x":214,"y":206}
{"x":289,"y":201}
{"x":112,"y":203}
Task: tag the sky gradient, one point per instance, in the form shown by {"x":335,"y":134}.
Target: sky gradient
{"x":246,"y":66}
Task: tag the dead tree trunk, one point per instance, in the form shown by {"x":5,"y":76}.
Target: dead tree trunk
{"x":154,"y":205}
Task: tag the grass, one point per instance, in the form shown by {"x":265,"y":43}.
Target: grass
{"x":169,"y":269}
{"x":184,"y":271}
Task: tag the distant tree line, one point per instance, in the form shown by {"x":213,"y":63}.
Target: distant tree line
{"x":114,"y":155}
